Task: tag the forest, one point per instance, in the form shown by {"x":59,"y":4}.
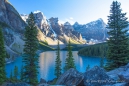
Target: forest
{"x":97,"y":50}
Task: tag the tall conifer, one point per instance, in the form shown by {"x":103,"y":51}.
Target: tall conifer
{"x":2,"y":58}
{"x":118,"y":52}
{"x":69,"y":63}
{"x":30,"y":58}
{"x":58,"y":62}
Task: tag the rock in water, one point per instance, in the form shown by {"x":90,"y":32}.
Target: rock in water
{"x":97,"y":77}
{"x":71,"y":77}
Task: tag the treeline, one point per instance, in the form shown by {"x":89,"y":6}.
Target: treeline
{"x":74,"y":47}
{"x":97,"y":50}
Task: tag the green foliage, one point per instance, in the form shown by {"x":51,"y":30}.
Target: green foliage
{"x":2,"y":24}
{"x":11,"y":75}
{"x":102,"y":59}
{"x":94,"y":50}
{"x":16,"y":73}
{"x":75,"y":47}
{"x":45,"y":47}
{"x":30,"y":58}
{"x":118,"y":52}
{"x":88,"y":67}
{"x":69,"y":63}
{"x":53,"y":82}
{"x":58,"y":62}
{"x":2,"y":58}
{"x":102,"y":62}
{"x":21,"y":73}
{"x":44,"y":42}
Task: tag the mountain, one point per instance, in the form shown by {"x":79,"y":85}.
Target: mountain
{"x":94,"y":30}
{"x":13,"y":28}
{"x":65,"y":32}
{"x":50,"y":30}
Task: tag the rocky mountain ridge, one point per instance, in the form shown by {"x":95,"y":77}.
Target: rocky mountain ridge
{"x":94,"y":30}
{"x":53,"y":30}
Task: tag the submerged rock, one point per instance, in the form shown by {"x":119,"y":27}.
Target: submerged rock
{"x":71,"y":77}
{"x":97,"y":77}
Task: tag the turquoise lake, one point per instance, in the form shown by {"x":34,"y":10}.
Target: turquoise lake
{"x":47,"y":63}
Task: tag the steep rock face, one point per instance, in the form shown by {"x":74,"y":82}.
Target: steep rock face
{"x":70,"y":32}
{"x":94,"y":30}
{"x":10,"y":16}
{"x":13,"y":28}
{"x":55,"y":26}
{"x":65,"y":31}
{"x":43,"y":24}
{"x":51,"y":30}
{"x":45,"y":32}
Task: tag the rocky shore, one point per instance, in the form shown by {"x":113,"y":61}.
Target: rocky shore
{"x":95,"y":76}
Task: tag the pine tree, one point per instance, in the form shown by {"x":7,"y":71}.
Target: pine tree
{"x":88,"y":67}
{"x":11,"y":75}
{"x":102,"y":59}
{"x":2,"y":58}
{"x":30,"y":58}
{"x":69,"y":63}
{"x":102,"y":62}
{"x":21,"y":73}
{"x":15,"y":73}
{"x":117,"y":43}
{"x":58,"y":62}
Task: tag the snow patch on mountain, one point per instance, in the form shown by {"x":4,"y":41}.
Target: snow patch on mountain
{"x":55,"y":35}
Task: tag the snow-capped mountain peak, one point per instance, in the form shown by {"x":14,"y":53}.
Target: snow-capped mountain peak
{"x":92,"y":30}
{"x":67,"y":23}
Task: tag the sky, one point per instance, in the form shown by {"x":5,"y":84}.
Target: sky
{"x":81,"y":11}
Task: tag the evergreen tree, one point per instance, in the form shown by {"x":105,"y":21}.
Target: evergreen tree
{"x":58,"y":62}
{"x":11,"y":75}
{"x":15,"y":72}
{"x":21,"y":73}
{"x":30,"y":58}
{"x":102,"y":59}
{"x":117,"y":43}
{"x":2,"y":58}
{"x":88,"y":67}
{"x":69,"y":63}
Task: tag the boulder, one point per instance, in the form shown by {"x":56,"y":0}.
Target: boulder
{"x":97,"y":77}
{"x":16,"y":84}
{"x":118,"y":84}
{"x":43,"y":81}
{"x":121,"y":74}
{"x":71,"y":77}
{"x":124,"y":75}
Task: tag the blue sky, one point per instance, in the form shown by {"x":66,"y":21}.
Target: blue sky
{"x":82,"y":11}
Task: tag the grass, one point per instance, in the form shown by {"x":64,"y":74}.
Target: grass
{"x":45,"y":47}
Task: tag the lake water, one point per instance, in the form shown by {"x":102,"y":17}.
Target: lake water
{"x":47,"y":63}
